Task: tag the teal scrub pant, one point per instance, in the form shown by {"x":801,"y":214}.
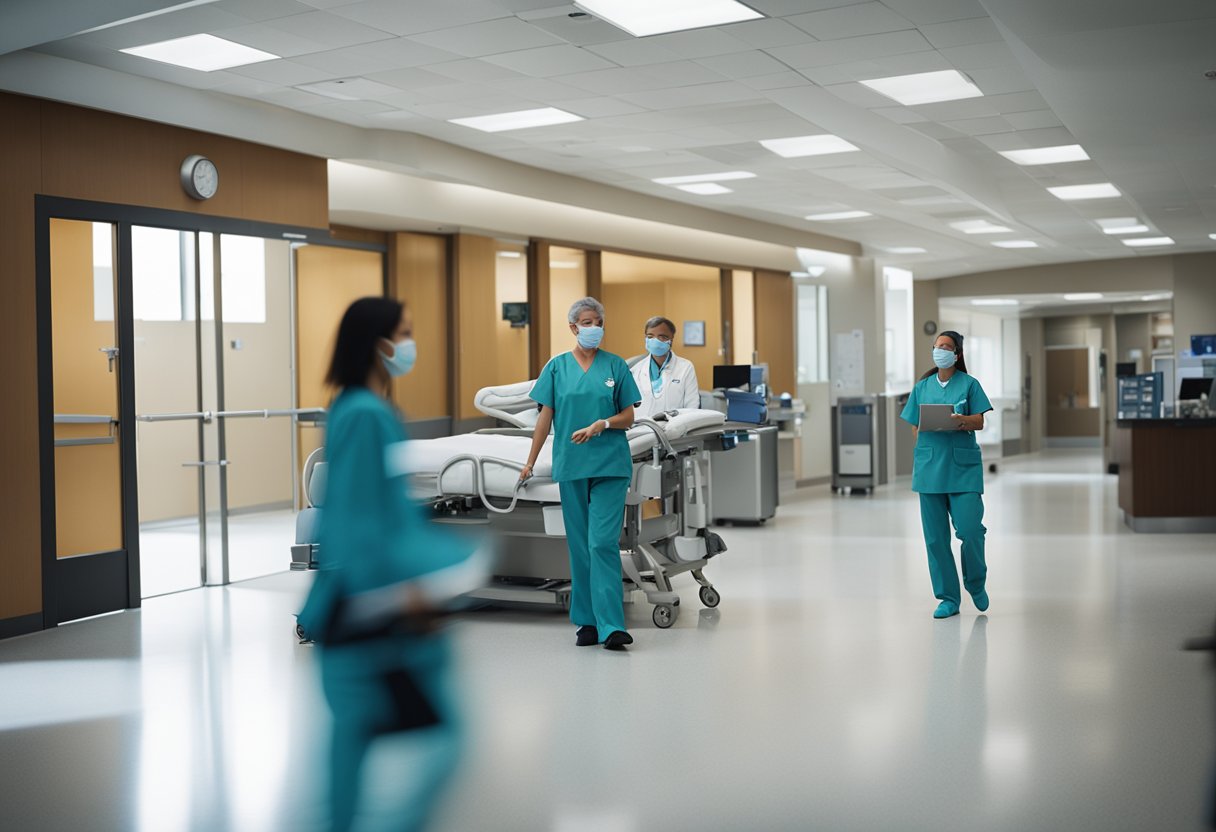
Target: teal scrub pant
{"x":385,"y":796}
{"x":593,"y":511}
{"x":967,"y":511}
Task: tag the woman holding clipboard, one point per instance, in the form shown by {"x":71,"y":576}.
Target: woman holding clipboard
{"x":948,"y":472}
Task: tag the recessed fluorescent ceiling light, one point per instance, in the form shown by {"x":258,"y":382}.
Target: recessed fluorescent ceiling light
{"x":1149,"y":241}
{"x":979,"y":227}
{"x":1212,"y":236}
{"x":1122,"y":225}
{"x":994,"y":302}
{"x":652,"y":17}
{"x":925,"y":87}
{"x":509,"y":254}
{"x":704,"y":189}
{"x":906,"y":250}
{"x":1047,"y":155}
{"x":1165,"y":296}
{"x":1099,"y":190}
{"x":564,"y":264}
{"x":1084,"y":296}
{"x":704,"y":177}
{"x":1016,"y":244}
{"x":205,"y":53}
{"x":518,"y":120}
{"x":839,"y":215}
{"x":820,"y":145}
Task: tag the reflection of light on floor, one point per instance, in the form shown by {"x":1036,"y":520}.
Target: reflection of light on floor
{"x":257,"y":737}
{"x":582,"y":819}
{"x":53,"y":692}
{"x":1006,"y":752}
{"x":166,"y":748}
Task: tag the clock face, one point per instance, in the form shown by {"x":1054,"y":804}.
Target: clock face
{"x":206,"y":178}
{"x":930,"y":327}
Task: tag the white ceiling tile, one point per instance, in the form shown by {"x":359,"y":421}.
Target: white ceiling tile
{"x":743,"y":65}
{"x":999,"y":81}
{"x":980,"y":56}
{"x":548,"y":61}
{"x":961,"y":32}
{"x":398,"y":53}
{"x":410,"y":18}
{"x":285,"y":72}
{"x":783,"y":8}
{"x":776,"y":81}
{"x":694,"y":96}
{"x":881,"y":67}
{"x":537,"y":89}
{"x":659,"y":49}
{"x":980,"y":126}
{"x":472,"y":70}
{"x":1051,"y":137}
{"x":858,"y":95}
{"x":935,"y":131}
{"x":600,"y":107}
{"x":900,"y":115}
{"x":1033,"y":120}
{"x":272,"y":40}
{"x":262,"y":9}
{"x":410,"y":78}
{"x":767,"y":33}
{"x":345,"y":61}
{"x":581,"y":31}
{"x":951,"y":110}
{"x":360,"y":88}
{"x":451,"y":108}
{"x":851,"y":21}
{"x":850,"y":49}
{"x":927,"y":12}
{"x":329,"y":30}
{"x":458,"y":92}
{"x":1017,"y":102}
{"x":189,"y":21}
{"x":639,"y":79}
{"x":490,"y":38}
{"x":287,"y":97}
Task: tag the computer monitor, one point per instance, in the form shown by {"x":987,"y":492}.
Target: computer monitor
{"x":1193,"y":388}
{"x":1125,"y":368}
{"x":728,"y":376}
{"x":516,"y":314}
{"x":1203,"y":345}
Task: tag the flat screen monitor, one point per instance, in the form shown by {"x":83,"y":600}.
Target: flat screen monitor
{"x":732,"y":376}
{"x":1193,"y":388}
{"x":1203,"y":344}
{"x":1125,"y":368}
{"x":516,"y":314}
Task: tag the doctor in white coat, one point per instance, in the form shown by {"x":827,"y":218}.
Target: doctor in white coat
{"x":667,"y":381}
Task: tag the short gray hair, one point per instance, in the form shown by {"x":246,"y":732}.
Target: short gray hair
{"x":578,"y":306}
{"x":656,"y":321}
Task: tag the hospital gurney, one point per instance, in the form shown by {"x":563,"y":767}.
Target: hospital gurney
{"x":474,"y":478}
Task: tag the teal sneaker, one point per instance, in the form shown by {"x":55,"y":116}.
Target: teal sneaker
{"x":945,"y":609}
{"x":981,"y":600}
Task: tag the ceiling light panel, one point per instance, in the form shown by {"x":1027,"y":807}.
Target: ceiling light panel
{"x":820,"y":145}
{"x":648,"y":17}
{"x":906,"y":250}
{"x":925,"y":87}
{"x":1127,"y":229}
{"x":994,"y":302}
{"x":1098,"y":190}
{"x":1144,"y":242}
{"x":518,"y":120}
{"x":979,"y":227}
{"x":1084,"y":296}
{"x":206,"y":53}
{"x":839,"y":215}
{"x":1047,"y":155}
{"x":727,"y":176}
{"x":704,"y":189}
{"x":1016,"y":244}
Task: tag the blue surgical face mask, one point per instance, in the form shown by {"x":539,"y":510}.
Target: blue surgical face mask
{"x":944,"y":358}
{"x":589,"y":337}
{"x":657,"y":348}
{"x":405,"y":353}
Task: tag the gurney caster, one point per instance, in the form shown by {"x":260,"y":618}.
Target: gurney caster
{"x":710,"y":597}
{"x":665,"y":615}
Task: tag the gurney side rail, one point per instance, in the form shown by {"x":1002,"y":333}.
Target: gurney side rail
{"x":479,"y":486}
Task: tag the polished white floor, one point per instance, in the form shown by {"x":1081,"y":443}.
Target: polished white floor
{"x":820,"y":695}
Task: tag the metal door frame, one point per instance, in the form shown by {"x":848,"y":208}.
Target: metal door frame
{"x":91,"y":584}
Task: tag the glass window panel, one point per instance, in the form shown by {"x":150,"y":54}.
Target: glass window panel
{"x":156,"y":274}
{"x":103,"y":271}
{"x":243,"y":263}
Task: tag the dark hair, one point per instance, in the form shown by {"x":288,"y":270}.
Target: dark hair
{"x":961,"y":363}
{"x":659,"y":319}
{"x":365,"y":322}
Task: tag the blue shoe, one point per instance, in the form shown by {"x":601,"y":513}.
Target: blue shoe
{"x":981,"y":600}
{"x":945,"y":609}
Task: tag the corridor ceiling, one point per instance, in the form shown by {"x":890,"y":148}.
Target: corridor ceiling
{"x":1125,"y":79}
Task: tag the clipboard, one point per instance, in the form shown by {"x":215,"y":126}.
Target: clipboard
{"x":937,"y":417}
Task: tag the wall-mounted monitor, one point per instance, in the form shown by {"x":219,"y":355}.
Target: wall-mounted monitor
{"x":1125,"y":368}
{"x":516,"y":314}
{"x":1203,"y":345}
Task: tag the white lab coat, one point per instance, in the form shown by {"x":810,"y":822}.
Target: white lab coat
{"x":680,"y":388}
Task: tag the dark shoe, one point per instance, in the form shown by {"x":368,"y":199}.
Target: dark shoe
{"x":586,"y":636}
{"x":617,"y":640}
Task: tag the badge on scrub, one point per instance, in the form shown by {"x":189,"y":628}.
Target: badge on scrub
{"x":610,"y":382}
{"x":961,"y":407}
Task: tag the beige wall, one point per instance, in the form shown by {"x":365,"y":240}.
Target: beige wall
{"x":924,"y":309}
{"x":565,"y":287}
{"x":743,"y":316}
{"x":475,"y":320}
{"x":1194,"y":298}
{"x":510,"y":286}
{"x":418,"y":275}
{"x":776,"y":343}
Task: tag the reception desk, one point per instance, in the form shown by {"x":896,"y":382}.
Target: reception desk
{"x":1167,"y":474}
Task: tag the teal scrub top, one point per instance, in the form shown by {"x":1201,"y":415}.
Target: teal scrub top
{"x":370,"y":534}
{"x":578,"y":399}
{"x":947,"y":462}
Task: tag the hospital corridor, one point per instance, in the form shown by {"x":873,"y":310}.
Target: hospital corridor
{"x":607,"y":416}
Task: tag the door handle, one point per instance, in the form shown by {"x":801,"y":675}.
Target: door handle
{"x":111,"y":355}
{"x":220,"y":462}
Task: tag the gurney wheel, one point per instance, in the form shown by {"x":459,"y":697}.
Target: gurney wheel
{"x":300,"y":632}
{"x":710,"y":597}
{"x":663,"y":616}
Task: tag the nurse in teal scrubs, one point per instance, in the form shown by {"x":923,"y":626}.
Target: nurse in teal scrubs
{"x":587,"y":395}
{"x":372,"y":536}
{"x":948,"y":472}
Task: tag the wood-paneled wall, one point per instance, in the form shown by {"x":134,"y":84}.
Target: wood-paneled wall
{"x":60,"y":150}
{"x":418,"y":275}
{"x":776,"y":342}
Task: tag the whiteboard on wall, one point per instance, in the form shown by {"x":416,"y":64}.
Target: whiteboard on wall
{"x":848,"y":364}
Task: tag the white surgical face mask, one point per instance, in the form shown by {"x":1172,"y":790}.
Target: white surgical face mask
{"x":944,"y":358}
{"x":405,"y":353}
{"x":589,"y":337}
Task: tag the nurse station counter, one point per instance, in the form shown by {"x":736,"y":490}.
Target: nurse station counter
{"x":1167,"y":474}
